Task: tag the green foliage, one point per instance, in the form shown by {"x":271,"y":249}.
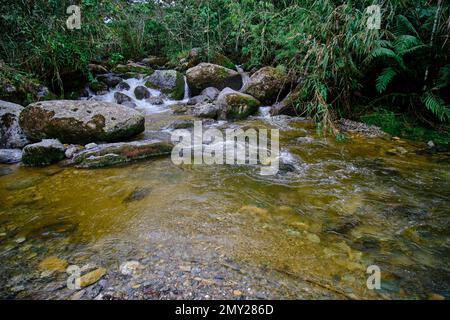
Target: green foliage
{"x":407,"y":127}
{"x":324,"y":45}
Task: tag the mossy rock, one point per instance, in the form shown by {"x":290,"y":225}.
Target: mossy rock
{"x":44,"y":153}
{"x":169,"y":82}
{"x":133,"y":68}
{"x":235,"y":105}
{"x":267,"y":85}
{"x":121,"y":153}
{"x":207,"y":75}
{"x":80,"y":122}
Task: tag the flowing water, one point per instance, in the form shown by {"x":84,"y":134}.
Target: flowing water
{"x":334,"y":209}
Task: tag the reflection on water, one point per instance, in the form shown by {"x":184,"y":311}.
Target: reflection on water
{"x":334,"y":209}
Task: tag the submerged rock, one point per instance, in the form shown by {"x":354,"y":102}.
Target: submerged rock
{"x":169,"y":82}
{"x":207,"y":75}
{"x":267,"y":85}
{"x":43,"y":153}
{"x":130,"y":267}
{"x":53,"y":263}
{"x":234,"y":105}
{"x":92,"y":277}
{"x":11,"y":135}
{"x":10,"y":155}
{"x":80,"y":122}
{"x":120,"y":153}
{"x":137,"y":195}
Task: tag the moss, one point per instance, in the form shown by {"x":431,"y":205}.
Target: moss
{"x":121,"y":153}
{"x":240,"y":106}
{"x":40,"y":156}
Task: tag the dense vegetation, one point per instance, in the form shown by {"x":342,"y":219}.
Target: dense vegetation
{"x":341,"y":68}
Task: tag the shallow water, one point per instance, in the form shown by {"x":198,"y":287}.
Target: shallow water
{"x":334,"y":209}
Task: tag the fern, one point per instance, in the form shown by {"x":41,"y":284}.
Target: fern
{"x":385,"y":78}
{"x":436,"y":105}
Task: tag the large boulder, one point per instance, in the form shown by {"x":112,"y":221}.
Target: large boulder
{"x":11,"y":135}
{"x":236,"y":105}
{"x":207,"y":75}
{"x":80,"y":121}
{"x":170,"y":82}
{"x":267,"y":85}
{"x":10,"y":155}
{"x":119,"y":153}
{"x":44,"y":153}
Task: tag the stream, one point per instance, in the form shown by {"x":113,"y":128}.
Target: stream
{"x":214,"y":232}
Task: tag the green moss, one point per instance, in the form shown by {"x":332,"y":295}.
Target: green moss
{"x":39,"y":156}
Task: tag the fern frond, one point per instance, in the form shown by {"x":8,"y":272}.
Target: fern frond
{"x":437,"y":106}
{"x":385,"y":78}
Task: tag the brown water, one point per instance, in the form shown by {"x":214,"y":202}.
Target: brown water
{"x":334,"y":209}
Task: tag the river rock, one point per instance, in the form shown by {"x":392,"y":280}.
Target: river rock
{"x":80,"y":122}
{"x":123,"y":86}
{"x":130,"y":267}
{"x":119,"y":153}
{"x":205,"y":110}
{"x":234,"y":105}
{"x":141,"y":93}
{"x":11,"y":135}
{"x":10,"y":155}
{"x":98,"y":87}
{"x":121,"y":97}
{"x":133,"y":68}
{"x":267,"y":85}
{"x":207,"y":75}
{"x":109,"y":79}
{"x":169,"y":82}
{"x":210,"y":92}
{"x":43,"y":153}
{"x":197,"y":99}
{"x":287,"y":106}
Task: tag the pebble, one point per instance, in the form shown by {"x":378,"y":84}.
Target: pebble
{"x":130,"y":267}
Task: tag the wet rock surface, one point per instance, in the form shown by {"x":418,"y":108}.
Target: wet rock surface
{"x":43,"y":153}
{"x":170,"y":82}
{"x":11,"y":135}
{"x":10,"y":155}
{"x":120,"y":153}
{"x":80,"y":121}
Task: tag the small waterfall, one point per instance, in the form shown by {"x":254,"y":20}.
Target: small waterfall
{"x":244,"y":75}
{"x":186,"y":89}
